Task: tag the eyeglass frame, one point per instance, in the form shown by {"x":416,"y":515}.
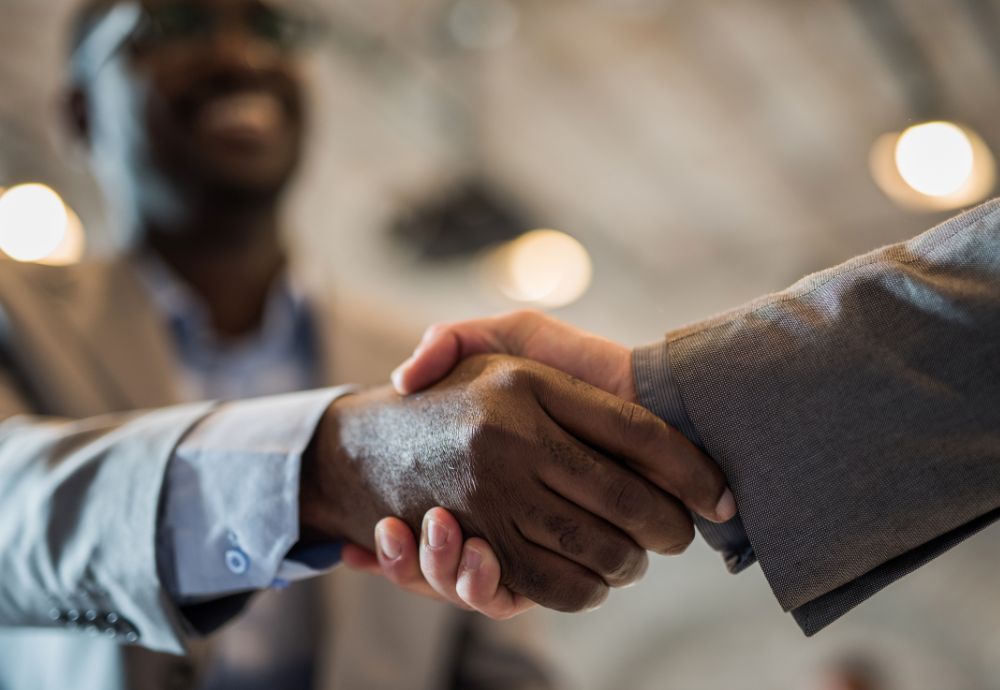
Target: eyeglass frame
{"x":120,"y":24}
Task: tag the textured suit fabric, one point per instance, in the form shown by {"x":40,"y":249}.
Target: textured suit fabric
{"x":856,"y":414}
{"x":76,"y":481}
{"x":81,"y":349}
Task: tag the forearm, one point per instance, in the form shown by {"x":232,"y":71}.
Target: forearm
{"x":854,"y":414}
{"x":138,"y":524}
{"x":78,"y":516}
{"x":231,"y":508}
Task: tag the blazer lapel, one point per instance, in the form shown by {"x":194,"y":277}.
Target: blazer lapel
{"x":124,"y":335}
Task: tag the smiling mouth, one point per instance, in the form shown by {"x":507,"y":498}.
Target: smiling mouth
{"x":245,"y":116}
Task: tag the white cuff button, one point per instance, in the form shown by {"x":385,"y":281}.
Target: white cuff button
{"x":237,"y":561}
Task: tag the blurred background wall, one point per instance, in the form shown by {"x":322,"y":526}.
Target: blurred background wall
{"x":691,"y":155}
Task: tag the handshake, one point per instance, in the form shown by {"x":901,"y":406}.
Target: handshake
{"x":521,"y":457}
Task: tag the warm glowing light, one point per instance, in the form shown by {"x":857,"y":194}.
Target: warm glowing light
{"x":935,"y":158}
{"x":33,"y":222}
{"x":71,"y":249}
{"x":934,"y":166}
{"x":545,"y":268}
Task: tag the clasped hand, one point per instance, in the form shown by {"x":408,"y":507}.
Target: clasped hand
{"x":529,"y":485}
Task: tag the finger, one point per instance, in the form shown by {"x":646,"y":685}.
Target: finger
{"x":361,"y":559}
{"x":574,"y":533}
{"x":550,"y":580}
{"x":479,"y":584}
{"x":641,"y":439}
{"x":526,"y":333}
{"x":440,"y":553}
{"x":653,"y":519}
{"x":443,"y":347}
{"x":398,"y":557}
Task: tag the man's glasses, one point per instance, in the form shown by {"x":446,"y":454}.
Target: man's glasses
{"x":287,"y":27}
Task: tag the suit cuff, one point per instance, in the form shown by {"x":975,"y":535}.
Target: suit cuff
{"x":657,"y":390}
{"x":230,"y":506}
{"x":818,"y":613}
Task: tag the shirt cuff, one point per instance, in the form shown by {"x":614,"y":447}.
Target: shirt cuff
{"x":229,"y":514}
{"x":304,"y":562}
{"x":657,"y":390}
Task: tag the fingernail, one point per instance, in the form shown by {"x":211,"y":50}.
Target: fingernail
{"x":471,"y":561}
{"x":397,"y":375}
{"x":390,"y":548}
{"x":437,"y":535}
{"x":429,"y":334}
{"x":421,"y":349}
{"x":725,"y":509}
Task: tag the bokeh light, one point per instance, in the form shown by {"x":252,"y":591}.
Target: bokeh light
{"x":935,"y":158}
{"x":933,"y":166}
{"x":36,"y":226}
{"x":544,"y":268}
{"x":72,"y":247}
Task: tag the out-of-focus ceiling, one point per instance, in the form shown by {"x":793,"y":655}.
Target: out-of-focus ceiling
{"x":714,"y":144}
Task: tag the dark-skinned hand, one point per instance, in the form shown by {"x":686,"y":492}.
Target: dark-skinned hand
{"x":530,"y":459}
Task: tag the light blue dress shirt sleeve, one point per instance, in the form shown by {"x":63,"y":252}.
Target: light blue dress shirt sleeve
{"x":229,"y":516}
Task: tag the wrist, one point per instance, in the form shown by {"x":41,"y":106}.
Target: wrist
{"x":339,"y":496}
{"x":319,"y":516}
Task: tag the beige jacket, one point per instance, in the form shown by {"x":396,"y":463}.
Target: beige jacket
{"x":81,"y":605}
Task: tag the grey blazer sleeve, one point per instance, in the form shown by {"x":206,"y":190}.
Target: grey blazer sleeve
{"x":78,"y":516}
{"x":857,"y":414}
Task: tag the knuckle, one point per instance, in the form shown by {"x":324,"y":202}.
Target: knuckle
{"x":567,"y":534}
{"x":620,"y":562}
{"x":486,"y":435}
{"x":583,"y":595}
{"x":534,"y":583}
{"x":510,"y":376}
{"x":640,"y":428}
{"x":678,"y":544}
{"x":628,"y":500}
{"x":567,"y":588}
{"x":596,"y":596}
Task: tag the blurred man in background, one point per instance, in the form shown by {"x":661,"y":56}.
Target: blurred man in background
{"x":194,"y":115}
